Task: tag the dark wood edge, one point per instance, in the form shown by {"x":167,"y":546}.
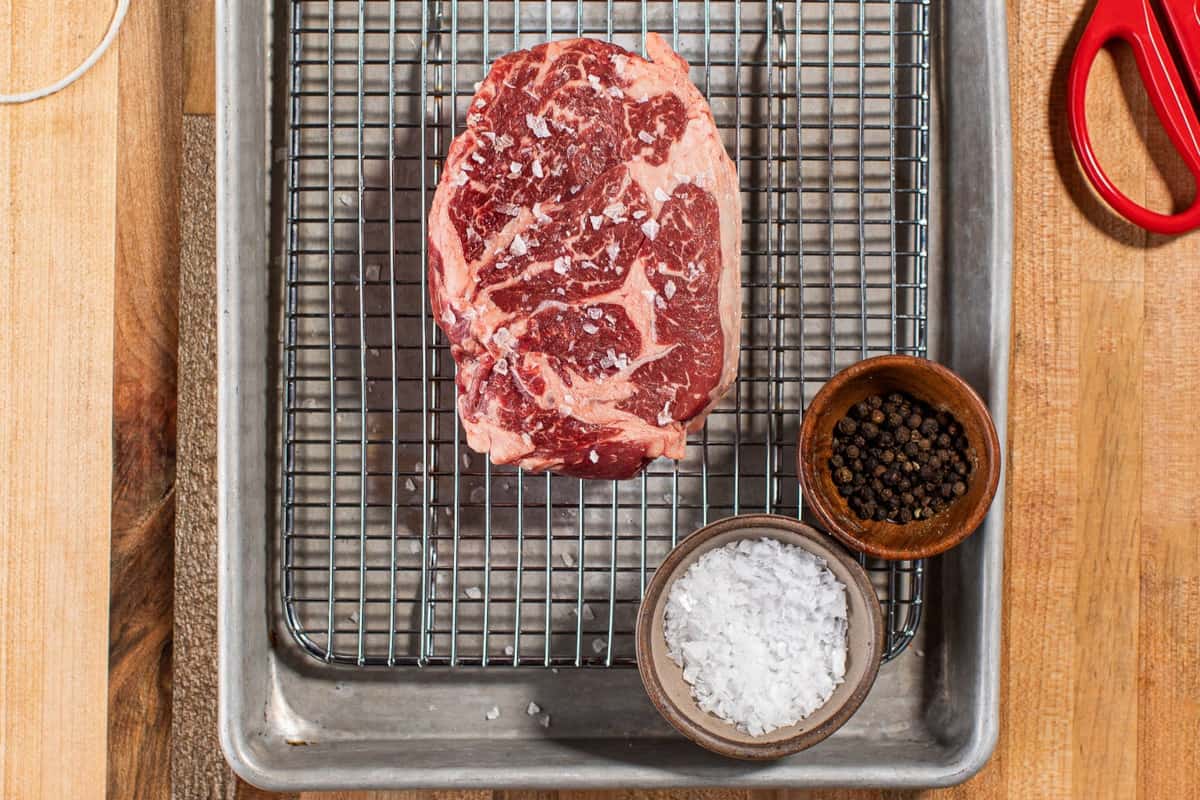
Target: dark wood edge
{"x":145,"y":366}
{"x":716,"y":742}
{"x":831,"y":518}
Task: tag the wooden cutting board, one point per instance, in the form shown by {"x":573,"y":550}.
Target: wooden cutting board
{"x":1101,"y":664}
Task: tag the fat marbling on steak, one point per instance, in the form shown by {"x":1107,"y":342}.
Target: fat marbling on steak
{"x":584,"y":245}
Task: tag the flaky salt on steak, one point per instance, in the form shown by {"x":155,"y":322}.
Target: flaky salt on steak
{"x":583,"y":259}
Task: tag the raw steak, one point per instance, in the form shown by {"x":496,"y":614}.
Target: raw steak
{"x":583,"y":259}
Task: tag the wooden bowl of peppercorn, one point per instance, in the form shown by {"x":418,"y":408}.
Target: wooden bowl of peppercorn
{"x":898,"y":457}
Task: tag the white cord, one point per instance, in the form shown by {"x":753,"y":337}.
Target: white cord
{"x":77,"y":73}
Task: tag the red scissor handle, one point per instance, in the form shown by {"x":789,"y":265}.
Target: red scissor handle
{"x":1133,"y":21}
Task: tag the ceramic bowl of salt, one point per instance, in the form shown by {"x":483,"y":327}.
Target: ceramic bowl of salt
{"x":758,"y":637}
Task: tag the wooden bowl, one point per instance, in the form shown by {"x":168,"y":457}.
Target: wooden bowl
{"x":663,"y":678}
{"x":938,"y":388}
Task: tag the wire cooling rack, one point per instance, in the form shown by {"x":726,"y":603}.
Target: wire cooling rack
{"x":402,"y":547}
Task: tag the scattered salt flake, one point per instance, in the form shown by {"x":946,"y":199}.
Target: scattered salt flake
{"x":759,"y":630}
{"x":615,"y":91}
{"x":477,"y":85}
{"x":536,"y":167}
{"x":659,"y":303}
{"x":574,"y":190}
{"x":660,"y":195}
{"x":448,"y":316}
{"x":554,"y":670}
{"x":544,"y":719}
{"x":477,"y":158}
{"x":644,"y":98}
{"x":503,"y":338}
{"x":595,"y":312}
{"x":466,"y":457}
{"x":588,"y":264}
{"x":594,"y":82}
{"x":646,"y":137}
{"x":649,"y":294}
{"x":474,"y":593}
{"x":615,"y":211}
{"x":492,"y":713}
{"x":503,"y":142}
{"x":533,"y":709}
{"x":461,"y":178}
{"x":373,"y":272}
{"x":500,"y":367}
{"x":539,"y":215}
{"x":352,"y":617}
{"x":639,"y":214}
{"x":561,"y":265}
{"x":593,"y":456}
{"x":599,"y":645}
{"x":515,"y":167}
{"x":518,"y":248}
{"x":346,"y":199}
{"x":588,"y":614}
{"x":480,"y":103}
{"x":538,"y":125}
{"x":414,"y":546}
{"x":511,"y":209}
{"x":474,"y":119}
{"x":410,"y":484}
{"x":650,"y":228}
{"x":613,"y":249}
{"x":595,"y":220}
{"x":619,"y":62}
{"x":669,"y":289}
{"x":664,"y":416}
{"x":508,"y":650}
{"x":567,"y":558}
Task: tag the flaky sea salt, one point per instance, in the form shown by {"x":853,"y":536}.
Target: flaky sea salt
{"x":492,"y":713}
{"x":759,"y":628}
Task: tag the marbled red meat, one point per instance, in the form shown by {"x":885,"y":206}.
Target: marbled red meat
{"x":584,"y":247}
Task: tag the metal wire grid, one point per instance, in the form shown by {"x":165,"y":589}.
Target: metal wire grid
{"x":399,"y":546}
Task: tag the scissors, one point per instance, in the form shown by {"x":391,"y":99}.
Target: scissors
{"x":1136,"y":23}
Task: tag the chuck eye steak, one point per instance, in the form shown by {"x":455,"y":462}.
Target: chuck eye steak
{"x":584,"y":250}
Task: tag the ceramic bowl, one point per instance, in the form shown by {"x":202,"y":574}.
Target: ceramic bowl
{"x":663,"y":678}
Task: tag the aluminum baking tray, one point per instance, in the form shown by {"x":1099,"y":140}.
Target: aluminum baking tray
{"x":860,"y":183}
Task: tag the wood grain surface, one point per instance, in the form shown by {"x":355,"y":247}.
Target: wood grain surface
{"x":1101,"y":655}
{"x":146,"y":340}
{"x":58,"y":178}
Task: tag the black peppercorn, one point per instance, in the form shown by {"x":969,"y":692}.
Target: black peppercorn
{"x":896,"y":458}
